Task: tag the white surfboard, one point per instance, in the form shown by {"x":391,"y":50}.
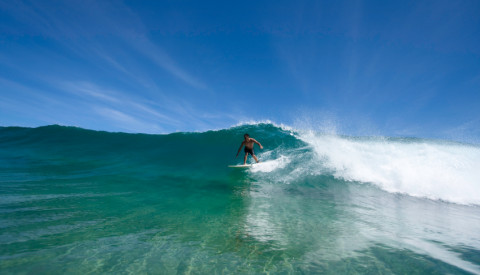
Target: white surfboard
{"x":241,"y":166}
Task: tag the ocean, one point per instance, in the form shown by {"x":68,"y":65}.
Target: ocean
{"x":77,"y":201}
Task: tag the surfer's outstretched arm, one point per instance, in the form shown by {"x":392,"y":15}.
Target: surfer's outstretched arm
{"x":261,"y":147}
{"x":239,"y":149}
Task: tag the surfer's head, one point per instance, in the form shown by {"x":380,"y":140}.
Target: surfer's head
{"x":246,"y":136}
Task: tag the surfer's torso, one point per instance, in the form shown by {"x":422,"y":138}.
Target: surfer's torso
{"x":249,"y":143}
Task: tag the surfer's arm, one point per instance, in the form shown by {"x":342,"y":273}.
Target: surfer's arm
{"x":261,"y":147}
{"x":239,"y":149}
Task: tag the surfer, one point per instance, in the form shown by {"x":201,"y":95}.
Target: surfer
{"x":248,"y":142}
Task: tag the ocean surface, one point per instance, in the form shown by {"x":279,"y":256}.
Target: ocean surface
{"x":76,"y":201}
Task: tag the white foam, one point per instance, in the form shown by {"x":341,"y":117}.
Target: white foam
{"x":428,"y":169}
{"x":270,"y":165}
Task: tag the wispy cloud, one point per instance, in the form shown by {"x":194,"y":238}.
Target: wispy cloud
{"x":127,"y":122}
{"x":99,"y":19}
{"x":163,"y":60}
{"x":136,"y":113}
{"x":90,"y":90}
{"x":123,"y":103}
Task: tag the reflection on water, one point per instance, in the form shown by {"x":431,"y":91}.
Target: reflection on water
{"x":339,"y":220}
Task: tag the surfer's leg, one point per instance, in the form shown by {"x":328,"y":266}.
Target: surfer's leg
{"x":255,"y":157}
{"x":245,"y":159}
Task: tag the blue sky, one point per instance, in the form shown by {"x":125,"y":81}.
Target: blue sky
{"x":408,"y":68}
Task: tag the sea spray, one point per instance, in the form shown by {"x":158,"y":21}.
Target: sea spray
{"x":424,"y":168}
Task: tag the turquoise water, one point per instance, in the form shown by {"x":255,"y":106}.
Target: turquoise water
{"x":79,"y":201}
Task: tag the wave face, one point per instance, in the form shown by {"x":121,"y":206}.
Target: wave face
{"x":75,"y":200}
{"x":70,"y":151}
{"x":437,"y":170}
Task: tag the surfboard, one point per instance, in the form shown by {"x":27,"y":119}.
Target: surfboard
{"x":240,"y":166}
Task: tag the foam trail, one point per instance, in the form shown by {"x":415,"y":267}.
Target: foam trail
{"x":422,"y":168}
{"x":270,"y":165}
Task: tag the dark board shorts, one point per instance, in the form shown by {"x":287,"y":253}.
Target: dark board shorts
{"x":248,"y":150}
